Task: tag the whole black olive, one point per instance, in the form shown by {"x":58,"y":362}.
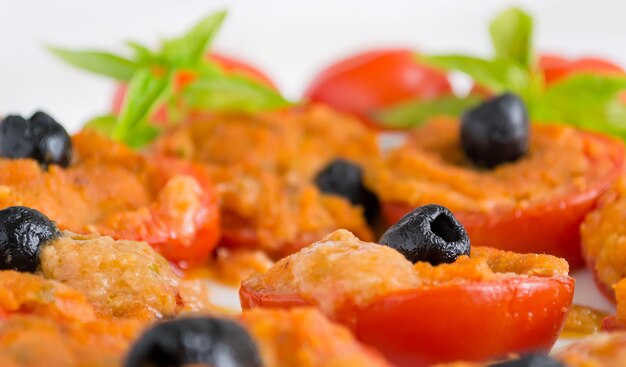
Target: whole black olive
{"x":344,"y":178}
{"x":195,"y":340}
{"x":495,"y":132}
{"x":23,"y":231}
{"x":428,"y":233}
{"x":531,"y":360}
{"x":40,"y":138}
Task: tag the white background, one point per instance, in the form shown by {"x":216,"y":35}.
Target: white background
{"x":289,"y":39}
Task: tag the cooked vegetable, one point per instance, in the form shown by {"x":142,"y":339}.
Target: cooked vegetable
{"x":344,"y":178}
{"x":23,"y":231}
{"x":496,"y":131}
{"x":429,"y":233}
{"x":40,"y":138}
{"x":195,"y":340}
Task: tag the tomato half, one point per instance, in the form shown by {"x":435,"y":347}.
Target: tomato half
{"x":458,"y":321}
{"x":551,"y":227}
{"x":182,"y":226}
{"x":229,"y":65}
{"x":368,"y":81}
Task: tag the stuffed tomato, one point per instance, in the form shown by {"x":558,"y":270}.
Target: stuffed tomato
{"x":97,"y":185}
{"x":421,"y":299}
{"x":525,"y":187}
{"x":293,"y":177}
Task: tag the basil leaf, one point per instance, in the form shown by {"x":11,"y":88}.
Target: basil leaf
{"x":189,"y":49}
{"x":102,"y":124}
{"x":145,"y":90}
{"x":497,"y":75}
{"x":511,"y":36}
{"x":143,"y":55}
{"x":414,"y":113}
{"x":137,"y":137}
{"x":97,"y":62}
{"x":141,"y":135}
{"x":584,"y":100}
{"x":232,"y":93}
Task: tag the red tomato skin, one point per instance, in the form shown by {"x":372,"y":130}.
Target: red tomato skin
{"x":206,"y":221}
{"x":371,"y":80}
{"x":190,"y":241}
{"x":555,"y":67}
{"x":474,"y":321}
{"x":551,"y":227}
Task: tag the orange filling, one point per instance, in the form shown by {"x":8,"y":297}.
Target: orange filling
{"x":264,"y":181}
{"x":304,"y":337}
{"x":432,"y":168}
{"x":340,"y":269}
{"x":604,"y":242}
{"x":108,"y":189}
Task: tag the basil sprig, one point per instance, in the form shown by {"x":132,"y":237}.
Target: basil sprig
{"x":584,"y":100}
{"x":151,"y":74}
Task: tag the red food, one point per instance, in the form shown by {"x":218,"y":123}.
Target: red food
{"x":371,"y":80}
{"x":180,"y":235}
{"x":229,"y":65}
{"x":424,"y":326}
{"x":556,"y":67}
{"x":551,"y":227}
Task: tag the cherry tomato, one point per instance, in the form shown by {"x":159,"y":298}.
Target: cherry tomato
{"x":551,"y":227}
{"x":365,"y":82}
{"x":556,"y":67}
{"x":421,"y":327}
{"x":229,"y":65}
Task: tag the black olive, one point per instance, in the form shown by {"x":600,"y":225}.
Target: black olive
{"x":195,"y":340}
{"x":428,"y":233}
{"x":496,"y":132}
{"x":531,"y":360}
{"x":40,"y":138}
{"x":344,"y":178}
{"x":23,"y":231}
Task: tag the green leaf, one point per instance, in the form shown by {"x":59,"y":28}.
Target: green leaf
{"x":497,"y":75}
{"x":97,"y":62}
{"x":232,"y":93}
{"x":145,"y":90}
{"x":584,"y":100}
{"x":102,"y":124}
{"x":189,"y":49}
{"x":141,"y":135}
{"x":414,"y":113}
{"x":143,"y":55}
{"x":511,"y":35}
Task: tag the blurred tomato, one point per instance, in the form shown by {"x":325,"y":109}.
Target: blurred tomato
{"x":365,"y":82}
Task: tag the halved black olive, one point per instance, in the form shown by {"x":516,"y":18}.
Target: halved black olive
{"x":23,"y":231}
{"x":212,"y":341}
{"x":344,"y":178}
{"x":40,"y":138}
{"x":495,"y":132}
{"x":531,"y":360}
{"x":428,"y":233}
